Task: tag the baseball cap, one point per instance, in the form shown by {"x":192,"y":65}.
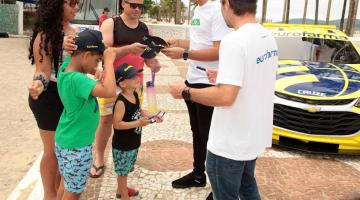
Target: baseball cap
{"x":154,"y":45}
{"x":90,"y":40}
{"x":125,"y":71}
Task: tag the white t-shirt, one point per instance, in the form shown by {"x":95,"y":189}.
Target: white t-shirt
{"x":207,"y":26}
{"x":248,"y":59}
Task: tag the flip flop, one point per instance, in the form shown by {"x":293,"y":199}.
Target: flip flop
{"x":96,"y":175}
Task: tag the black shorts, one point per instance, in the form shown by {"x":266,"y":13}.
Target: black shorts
{"x":47,"y":108}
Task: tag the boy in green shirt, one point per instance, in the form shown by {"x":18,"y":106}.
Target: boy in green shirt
{"x":76,"y":129}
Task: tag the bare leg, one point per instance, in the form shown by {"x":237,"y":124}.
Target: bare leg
{"x":48,"y":165}
{"x":102,"y":137}
{"x":122,"y":187}
{"x":70,"y":196}
{"x":61,"y":189}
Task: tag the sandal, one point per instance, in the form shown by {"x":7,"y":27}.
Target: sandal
{"x":97,"y":169}
{"x":131,"y":192}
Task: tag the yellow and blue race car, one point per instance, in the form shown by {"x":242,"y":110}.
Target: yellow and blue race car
{"x":317,"y":98}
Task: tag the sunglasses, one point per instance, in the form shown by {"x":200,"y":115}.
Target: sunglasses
{"x":135,"y":5}
{"x":73,"y":3}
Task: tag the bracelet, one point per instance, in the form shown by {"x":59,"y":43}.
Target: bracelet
{"x":41,"y":78}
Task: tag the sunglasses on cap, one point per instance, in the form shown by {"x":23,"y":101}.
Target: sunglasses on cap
{"x":135,"y":5}
{"x":72,"y":3}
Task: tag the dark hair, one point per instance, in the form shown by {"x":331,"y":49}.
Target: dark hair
{"x":106,"y":10}
{"x":49,"y":17}
{"x":75,"y":53}
{"x":241,"y":7}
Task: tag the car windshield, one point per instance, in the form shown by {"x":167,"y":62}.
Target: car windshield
{"x":91,"y":10}
{"x":317,"y":50}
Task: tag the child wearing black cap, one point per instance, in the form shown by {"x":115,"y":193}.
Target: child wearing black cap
{"x":128,"y":121}
{"x":76,"y":129}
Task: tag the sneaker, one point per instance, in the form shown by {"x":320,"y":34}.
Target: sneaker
{"x":131,"y":192}
{"x":209,"y":197}
{"x":190,"y":180}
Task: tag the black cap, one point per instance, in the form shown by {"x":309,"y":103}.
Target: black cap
{"x":90,"y":40}
{"x":125,"y":71}
{"x":154,"y":45}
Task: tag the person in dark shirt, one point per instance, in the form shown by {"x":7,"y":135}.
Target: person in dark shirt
{"x":128,"y":121}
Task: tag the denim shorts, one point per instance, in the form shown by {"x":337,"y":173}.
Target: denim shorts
{"x":74,"y":166}
{"x":124,"y":161}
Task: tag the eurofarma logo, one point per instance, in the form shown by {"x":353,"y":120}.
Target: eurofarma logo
{"x":268,"y":54}
{"x":309,"y":35}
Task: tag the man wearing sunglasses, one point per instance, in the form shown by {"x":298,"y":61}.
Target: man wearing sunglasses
{"x":124,"y":30}
{"x":206,"y":31}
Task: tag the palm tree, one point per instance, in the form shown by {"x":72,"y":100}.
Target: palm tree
{"x":328,"y":12}
{"x":178,"y":12}
{"x":288,"y":12}
{"x":263,"y":17}
{"x":343,"y":16}
{"x":352,"y":17}
{"x":305,"y":11}
{"x":316,"y":11}
{"x":284,"y":12}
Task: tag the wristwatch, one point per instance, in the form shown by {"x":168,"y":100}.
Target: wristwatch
{"x":186,"y":94}
{"x":185,"y":54}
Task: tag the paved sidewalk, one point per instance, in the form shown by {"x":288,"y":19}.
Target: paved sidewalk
{"x":166,"y":154}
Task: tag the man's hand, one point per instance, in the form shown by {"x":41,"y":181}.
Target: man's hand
{"x":176,"y":89}
{"x":137,"y":48}
{"x":153,"y":64}
{"x":173,"y":52}
{"x":35,"y":89}
{"x":212,"y":74}
{"x":172,"y":42}
{"x":69,"y":44}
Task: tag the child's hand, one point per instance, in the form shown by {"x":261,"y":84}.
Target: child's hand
{"x":153,"y":64}
{"x":99,"y":75}
{"x":109,"y":54}
{"x":158,"y":119}
{"x":212,"y":74}
{"x":144,"y":121}
{"x":35,"y":89}
{"x":69,"y":44}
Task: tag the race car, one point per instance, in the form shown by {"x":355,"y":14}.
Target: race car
{"x":317,"y":92}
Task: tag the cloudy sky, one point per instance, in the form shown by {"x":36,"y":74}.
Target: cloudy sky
{"x":275,"y":9}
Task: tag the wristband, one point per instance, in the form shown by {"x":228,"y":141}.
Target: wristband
{"x":41,"y":78}
{"x":186,"y":94}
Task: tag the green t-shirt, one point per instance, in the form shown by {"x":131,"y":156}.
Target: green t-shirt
{"x":80,"y":118}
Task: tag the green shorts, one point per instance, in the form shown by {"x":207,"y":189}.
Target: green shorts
{"x":124,"y":161}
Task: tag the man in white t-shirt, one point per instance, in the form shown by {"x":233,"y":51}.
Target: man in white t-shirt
{"x":207,"y":29}
{"x":241,"y":125}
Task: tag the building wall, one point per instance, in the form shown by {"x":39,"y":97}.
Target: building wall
{"x":9,"y":18}
{"x":170,"y":31}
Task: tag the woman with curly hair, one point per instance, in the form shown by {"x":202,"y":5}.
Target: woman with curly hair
{"x":52,"y":24}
